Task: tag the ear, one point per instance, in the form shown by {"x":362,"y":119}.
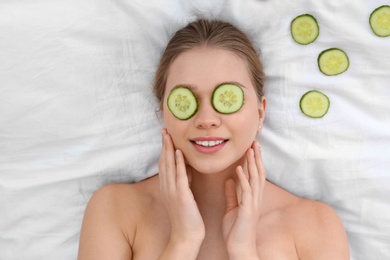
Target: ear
{"x":262,"y":104}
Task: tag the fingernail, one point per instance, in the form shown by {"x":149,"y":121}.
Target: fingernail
{"x":176,"y":153}
{"x":258,"y":145}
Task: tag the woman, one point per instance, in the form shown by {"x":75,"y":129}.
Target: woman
{"x":211,"y":199}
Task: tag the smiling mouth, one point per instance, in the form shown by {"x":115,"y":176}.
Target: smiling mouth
{"x":209,"y":143}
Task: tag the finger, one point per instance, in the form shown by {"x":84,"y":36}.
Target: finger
{"x":189,"y":175}
{"x":245,"y":167}
{"x":259,"y":162}
{"x":253,"y":173}
{"x":246,"y":193}
{"x":161,"y":163}
{"x":230,"y":195}
{"x":182,"y":178}
{"x":169,"y":163}
{"x":260,"y":169}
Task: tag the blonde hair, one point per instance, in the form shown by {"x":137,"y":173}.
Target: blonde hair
{"x":209,"y":33}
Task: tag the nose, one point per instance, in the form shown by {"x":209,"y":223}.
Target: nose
{"x":206,"y":117}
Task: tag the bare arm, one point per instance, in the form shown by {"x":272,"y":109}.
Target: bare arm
{"x":101,"y":235}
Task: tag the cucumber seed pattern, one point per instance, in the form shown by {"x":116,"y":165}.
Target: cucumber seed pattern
{"x":182,"y":103}
{"x":333,"y":62}
{"x":305,"y":29}
{"x":380,"y":21}
{"x":315,"y":104}
{"x":228,"y":98}
{"x":383,"y":21}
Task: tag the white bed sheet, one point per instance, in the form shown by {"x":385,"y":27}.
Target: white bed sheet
{"x":76,"y":111}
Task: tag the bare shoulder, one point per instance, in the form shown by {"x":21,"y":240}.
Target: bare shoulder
{"x":106,"y":230}
{"x":317,"y":229}
{"x":123,"y":196}
{"x":123,"y":200}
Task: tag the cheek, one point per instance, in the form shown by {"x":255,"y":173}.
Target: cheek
{"x":249,"y":128}
{"x":245,"y":130}
{"x":174,"y":127}
{"x":249,"y":121}
{"x":169,"y":122}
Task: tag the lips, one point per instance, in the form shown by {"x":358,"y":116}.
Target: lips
{"x":208,"y":144}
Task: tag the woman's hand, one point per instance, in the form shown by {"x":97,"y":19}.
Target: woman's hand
{"x":243,"y":211}
{"x":187,"y":227}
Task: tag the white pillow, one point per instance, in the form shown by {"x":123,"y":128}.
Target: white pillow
{"x":77,"y":112}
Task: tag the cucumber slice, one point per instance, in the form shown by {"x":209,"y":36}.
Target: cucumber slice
{"x":227,"y":98}
{"x":182,"y":103}
{"x":380,"y":21}
{"x":304,"y":29}
{"x":314,"y":104}
{"x":333,"y":61}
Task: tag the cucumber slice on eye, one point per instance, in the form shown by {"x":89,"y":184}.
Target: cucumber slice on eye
{"x":333,"y":61}
{"x":227,"y":98}
{"x":182,"y":103}
{"x":380,"y":21}
{"x":304,"y":29}
{"x":314,"y":104}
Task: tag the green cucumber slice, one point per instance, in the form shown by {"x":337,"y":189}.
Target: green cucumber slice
{"x":380,"y":21}
{"x":227,"y":98}
{"x":304,"y":29}
{"x":314,"y":104}
{"x":333,"y":61}
{"x":182,"y":103}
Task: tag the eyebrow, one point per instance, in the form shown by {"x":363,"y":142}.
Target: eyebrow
{"x":194,"y":87}
{"x":189,"y":86}
{"x":232,"y":83}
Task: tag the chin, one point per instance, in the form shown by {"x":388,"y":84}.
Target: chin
{"x":215,"y":166}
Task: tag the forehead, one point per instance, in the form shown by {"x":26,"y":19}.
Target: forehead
{"x":208,"y":66}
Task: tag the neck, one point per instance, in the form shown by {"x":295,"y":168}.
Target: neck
{"x":209,"y":189}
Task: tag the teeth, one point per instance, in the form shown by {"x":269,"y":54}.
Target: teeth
{"x":209,"y":143}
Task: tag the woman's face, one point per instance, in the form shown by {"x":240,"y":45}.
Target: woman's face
{"x":202,"y":70}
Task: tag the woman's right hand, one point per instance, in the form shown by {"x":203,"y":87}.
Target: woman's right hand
{"x":187,"y":227}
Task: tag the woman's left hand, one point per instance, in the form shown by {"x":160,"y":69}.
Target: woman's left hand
{"x":239,"y":224}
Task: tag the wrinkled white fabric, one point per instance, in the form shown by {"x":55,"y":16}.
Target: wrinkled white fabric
{"x":77,"y":112}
